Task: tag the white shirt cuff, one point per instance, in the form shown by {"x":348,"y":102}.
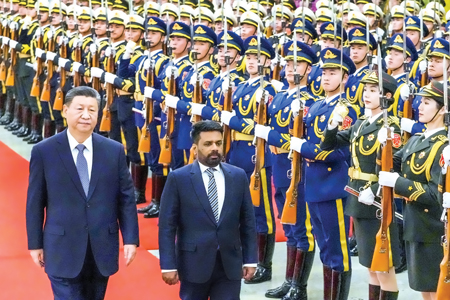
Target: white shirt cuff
{"x":167,"y":271}
{"x":250,"y":265}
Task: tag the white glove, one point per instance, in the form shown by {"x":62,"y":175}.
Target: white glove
{"x":5,"y":40}
{"x":337,"y":118}
{"x":148,"y":92}
{"x":4,"y":23}
{"x":387,"y":178}
{"x":446,"y":155}
{"x":109,"y":77}
{"x":12,"y":44}
{"x":258,"y":95}
{"x":76,"y":66}
{"x":296,"y":144}
{"x":37,"y":32}
{"x":39,"y":52}
{"x":96,"y":72}
{"x":13,"y":25}
{"x":169,"y":71}
{"x":64,"y":40}
{"x":93,"y":48}
{"x":438,"y":34}
{"x":108,"y":51}
{"x":225,"y":84}
{"x":171,"y":101}
{"x":366,"y":197}
{"x":26,"y":22}
{"x":404,"y":92}
{"x":226,"y":116}
{"x":262,"y":131}
{"x":446,"y":200}
{"x":423,"y":66}
{"x":35,"y":66}
{"x":146,"y":65}
{"x":197,"y":109}
{"x":129,"y":48}
{"x":50,"y":34}
{"x":278,"y":85}
{"x":407,"y":124}
{"x":51,"y":55}
{"x":193,"y":79}
{"x":374,"y":60}
{"x":62,"y":62}
{"x":382,"y":134}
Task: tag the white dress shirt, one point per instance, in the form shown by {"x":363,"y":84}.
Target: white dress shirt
{"x":220,"y":182}
{"x":88,"y":152}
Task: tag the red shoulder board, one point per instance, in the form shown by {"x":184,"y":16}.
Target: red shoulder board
{"x":396,"y":140}
{"x":206,"y":83}
{"x":270,"y":98}
{"x":347,"y":122}
{"x":305,"y":111}
{"x":442,"y":161}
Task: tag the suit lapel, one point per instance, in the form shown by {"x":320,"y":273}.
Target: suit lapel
{"x":199,"y":188}
{"x":96,"y":164}
{"x":65,"y":154}
{"x":227,"y":202}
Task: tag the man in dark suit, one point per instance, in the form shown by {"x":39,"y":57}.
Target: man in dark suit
{"x":80,"y":193}
{"x":207,"y":234}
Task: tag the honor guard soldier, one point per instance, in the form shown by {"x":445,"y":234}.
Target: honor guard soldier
{"x":411,"y":6}
{"x":169,"y":13}
{"x":344,"y":11}
{"x":25,"y":73}
{"x":374,"y":16}
{"x":397,"y":20}
{"x":138,"y":7}
{"x":300,"y":239}
{"x":203,"y":16}
{"x":326,"y":174}
{"x":121,"y":5}
{"x":432,"y":21}
{"x":309,"y":14}
{"x":283,"y":16}
{"x":415,"y":30}
{"x":157,"y":61}
{"x":218,"y":87}
{"x":362,"y":138}
{"x":241,"y":120}
{"x":359,"y":53}
{"x":395,"y":64}
{"x":416,"y":178}
{"x":322,"y":15}
{"x":259,"y":10}
{"x":239,"y":7}
{"x":439,"y":48}
{"x":187,"y":14}
{"x":218,"y":20}
{"x":152,"y":9}
{"x":179,"y":66}
{"x":204,"y":41}
{"x":306,"y":33}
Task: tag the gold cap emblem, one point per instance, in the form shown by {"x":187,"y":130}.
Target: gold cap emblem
{"x":253,"y":42}
{"x":200,"y":30}
{"x":438,"y":45}
{"x":152,"y":21}
{"x":398,"y":39}
{"x":329,"y":55}
{"x":357,"y":33}
{"x":177,"y":27}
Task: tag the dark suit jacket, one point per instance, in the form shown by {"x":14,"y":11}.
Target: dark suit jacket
{"x":186,"y":216}
{"x":56,"y":197}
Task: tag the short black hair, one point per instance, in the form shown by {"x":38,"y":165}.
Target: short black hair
{"x":204,"y":126}
{"x":81,"y":91}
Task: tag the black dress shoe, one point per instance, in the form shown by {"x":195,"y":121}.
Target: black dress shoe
{"x":29,"y":137}
{"x":354,"y":251}
{"x":153,"y":212}
{"x":145,"y":208}
{"x":262,"y":274}
{"x":279,"y":292}
{"x":296,"y":293}
{"x":34,"y":140}
{"x":402,"y":267}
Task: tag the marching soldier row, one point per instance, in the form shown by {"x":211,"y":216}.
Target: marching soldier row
{"x":351,"y":98}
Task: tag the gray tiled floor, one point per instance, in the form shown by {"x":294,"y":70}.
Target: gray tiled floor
{"x":252,"y":292}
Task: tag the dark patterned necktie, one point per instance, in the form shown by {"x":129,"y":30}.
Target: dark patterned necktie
{"x":82,"y":168}
{"x":212,"y":193}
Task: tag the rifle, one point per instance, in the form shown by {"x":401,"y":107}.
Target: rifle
{"x":36,"y":89}
{"x":443,"y":288}
{"x":5,"y":56}
{"x":45,"y":95}
{"x":77,"y":58}
{"x":11,"y":70}
{"x":260,"y":144}
{"x":227,"y":103}
{"x":105,"y":124}
{"x":165,"y":156}
{"x":59,"y":98}
{"x":95,"y":58}
{"x":289,"y":215}
{"x":381,"y":256}
{"x":407,"y":105}
{"x":144,"y":142}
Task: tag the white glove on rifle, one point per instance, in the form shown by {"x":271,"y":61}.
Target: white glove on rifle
{"x":296,"y":144}
{"x":62,"y":62}
{"x":4,"y":22}
{"x":446,"y":155}
{"x":129,"y":49}
{"x":423,"y":66}
{"x":169,"y":71}
{"x":295,"y":107}
{"x":259,"y":95}
{"x":93,"y":48}
{"x":404,"y":92}
{"x":26,"y":22}
{"x":109,"y":78}
{"x":171,"y":101}
{"x":366,"y":197}
{"x":407,"y":124}
{"x":382,"y":134}
{"x":76,"y":66}
{"x":50,"y":55}
{"x":96,"y":72}
{"x":225,"y":84}
{"x":13,"y":25}
{"x":278,"y":85}
{"x":12,"y":44}
{"x":108,"y":51}
{"x":50,"y":34}
{"x":39,"y":53}
{"x":146,"y":65}
{"x":388,"y":178}
{"x":148,"y":92}
{"x":262,"y":131}
{"x":226,"y":116}
{"x":5,"y":40}
{"x":193,"y":79}
{"x":197,"y":108}
{"x":446,"y":200}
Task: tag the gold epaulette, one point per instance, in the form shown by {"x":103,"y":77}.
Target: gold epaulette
{"x":393,"y":120}
{"x":441,"y":137}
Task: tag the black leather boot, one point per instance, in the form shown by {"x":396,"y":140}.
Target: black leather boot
{"x":139,"y":174}
{"x":26,"y":123}
{"x":402,"y":267}
{"x":303,"y":265}
{"x":49,"y":128}
{"x":17,"y":121}
{"x":2,"y":104}
{"x":37,"y":127}
{"x":374,"y":292}
{"x":340,"y":285}
{"x":385,"y":295}
{"x":327,"y":278}
{"x":153,"y":212}
{"x":147,"y":208}
{"x":9,"y":112}
{"x":266,"y":246}
{"x":282,"y":290}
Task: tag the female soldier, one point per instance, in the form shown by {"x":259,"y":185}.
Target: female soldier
{"x":364,"y":144}
{"x":417,"y":170}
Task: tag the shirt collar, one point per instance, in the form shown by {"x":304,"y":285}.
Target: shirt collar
{"x":373,"y":118}
{"x":114,"y":45}
{"x":252,"y":80}
{"x":153,"y":53}
{"x":328,"y":100}
{"x":397,"y":76}
{"x":175,"y":61}
{"x":429,"y":133}
{"x":223,"y":74}
{"x":203,"y":168}
{"x":360,"y":69}
{"x":73,"y":142}
{"x":291,"y":91}
{"x":199,"y":65}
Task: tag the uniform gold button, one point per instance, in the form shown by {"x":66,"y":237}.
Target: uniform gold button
{"x":308,"y":137}
{"x":356,"y":144}
{"x":417,"y":165}
{"x":407,"y":162}
{"x":307,"y":164}
{"x":249,"y":144}
{"x":329,"y":169}
{"x":404,"y":175}
{"x":425,"y":210}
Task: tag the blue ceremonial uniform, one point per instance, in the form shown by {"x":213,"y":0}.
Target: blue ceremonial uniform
{"x":315,"y":82}
{"x":354,"y":89}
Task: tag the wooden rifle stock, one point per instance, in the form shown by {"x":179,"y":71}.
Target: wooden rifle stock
{"x":424,"y":79}
{"x":260,"y":144}
{"x":144,"y":142}
{"x":407,"y":113}
{"x":197,"y":98}
{"x":95,"y":80}
{"x":5,"y":58}
{"x":227,"y":106}
{"x":59,"y":98}
{"x":381,"y":256}
{"x":269,"y":32}
{"x":276,"y":71}
{"x":165,"y":156}
{"x":443,"y":288}
{"x":11,"y":72}
{"x":105,"y":124}
{"x":45,"y":95}
{"x":76,"y":76}
{"x":289,"y":215}
{"x":36,"y":89}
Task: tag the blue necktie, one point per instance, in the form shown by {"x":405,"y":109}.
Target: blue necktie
{"x":82,"y":168}
{"x":212,"y":193}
